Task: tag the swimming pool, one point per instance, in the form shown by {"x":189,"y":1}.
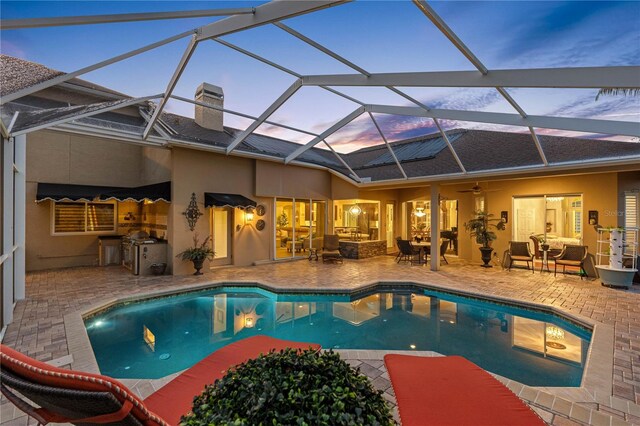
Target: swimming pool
{"x":157,"y":337}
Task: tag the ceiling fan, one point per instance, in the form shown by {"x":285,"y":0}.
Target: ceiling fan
{"x":477,"y":189}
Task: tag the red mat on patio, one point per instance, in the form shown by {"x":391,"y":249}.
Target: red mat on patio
{"x":176,"y":397}
{"x":453,"y":391}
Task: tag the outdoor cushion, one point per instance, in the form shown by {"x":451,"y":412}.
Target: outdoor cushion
{"x":39,"y":372}
{"x":175,"y":398}
{"x":453,"y":391}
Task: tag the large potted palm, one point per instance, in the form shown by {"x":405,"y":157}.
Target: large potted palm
{"x":198,"y":253}
{"x":482,"y":228}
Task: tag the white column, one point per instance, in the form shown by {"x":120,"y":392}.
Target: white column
{"x":7,"y":231}
{"x":435,"y":226}
{"x":19,"y":215}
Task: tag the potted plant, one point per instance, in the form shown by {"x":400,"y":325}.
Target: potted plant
{"x":291,"y":387}
{"x":198,"y":253}
{"x":481,"y":227}
{"x":543,"y":244}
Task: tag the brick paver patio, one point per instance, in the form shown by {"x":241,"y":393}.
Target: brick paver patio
{"x":39,"y":325}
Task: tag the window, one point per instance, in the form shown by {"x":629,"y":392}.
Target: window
{"x":631,"y":213}
{"x":75,"y":218}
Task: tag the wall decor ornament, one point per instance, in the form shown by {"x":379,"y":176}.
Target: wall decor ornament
{"x":260,"y":225}
{"x":192,"y":213}
{"x":260,"y":210}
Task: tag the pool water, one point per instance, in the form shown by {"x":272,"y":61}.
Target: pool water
{"x":151,"y":339}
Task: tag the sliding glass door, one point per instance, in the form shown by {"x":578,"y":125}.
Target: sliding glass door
{"x":552,"y":217}
{"x":299,"y":226}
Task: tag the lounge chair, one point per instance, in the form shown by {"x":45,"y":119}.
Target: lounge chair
{"x":408,"y":253}
{"x":519,"y":252}
{"x":571,"y":255}
{"x":451,"y":391}
{"x":83,"y":398}
{"x":331,"y":248}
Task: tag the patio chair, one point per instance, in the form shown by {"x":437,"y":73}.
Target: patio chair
{"x":398,"y":245}
{"x":451,"y":391}
{"x":443,"y":250}
{"x":83,"y":398}
{"x":408,"y":253}
{"x":571,"y":255}
{"x":331,"y":248}
{"x":519,"y":252}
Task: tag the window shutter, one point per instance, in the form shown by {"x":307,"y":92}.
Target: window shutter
{"x":100,"y":217}
{"x":631,"y":209}
{"x":69,"y":217}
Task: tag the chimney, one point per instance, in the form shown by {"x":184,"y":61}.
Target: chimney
{"x":209,"y":118}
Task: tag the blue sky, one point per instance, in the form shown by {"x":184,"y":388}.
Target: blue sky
{"x":380,"y":36}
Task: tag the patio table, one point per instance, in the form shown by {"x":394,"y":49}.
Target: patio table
{"x":422,"y":245}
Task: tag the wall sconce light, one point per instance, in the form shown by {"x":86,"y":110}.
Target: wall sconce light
{"x":504,"y":216}
{"x":593,"y":217}
{"x":248,"y":322}
{"x":248,"y":216}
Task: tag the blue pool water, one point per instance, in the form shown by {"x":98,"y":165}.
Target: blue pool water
{"x":154,"y":338}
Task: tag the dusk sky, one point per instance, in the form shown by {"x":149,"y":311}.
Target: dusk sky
{"x":380,"y":36}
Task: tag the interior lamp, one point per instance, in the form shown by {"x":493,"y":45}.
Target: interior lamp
{"x":554,"y":333}
{"x":419,"y":212}
{"x":355,"y":210}
{"x":554,"y":336}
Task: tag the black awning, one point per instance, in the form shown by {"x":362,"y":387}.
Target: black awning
{"x":66,"y":192}
{"x":212,"y":199}
{"x":154,"y":192}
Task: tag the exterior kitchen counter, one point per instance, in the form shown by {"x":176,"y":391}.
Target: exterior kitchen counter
{"x":363,"y":249}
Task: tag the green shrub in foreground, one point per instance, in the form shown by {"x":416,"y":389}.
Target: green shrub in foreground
{"x":291,"y":388}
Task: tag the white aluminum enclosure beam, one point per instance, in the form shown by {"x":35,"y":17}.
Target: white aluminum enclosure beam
{"x":435,"y":226}
{"x":567,"y":78}
{"x":264,"y":14}
{"x":587,"y":125}
{"x":511,"y":101}
{"x":364,"y":72}
{"x":19,"y":216}
{"x":8,"y":244}
{"x":14,"y":24}
{"x":386,"y":142}
{"x":331,"y":130}
{"x":12,"y":123}
{"x":241,"y":114}
{"x":132,"y":101}
{"x":543,"y":157}
{"x":448,"y":32}
{"x":344,"y":163}
{"x":281,"y":68}
{"x":191,"y":47}
{"x":66,"y":77}
{"x":464,"y":49}
{"x":320,"y":48}
{"x":266,"y":114}
{"x":450,"y":145}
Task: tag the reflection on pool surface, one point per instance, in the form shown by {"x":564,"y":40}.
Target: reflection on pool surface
{"x":152,"y":339}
